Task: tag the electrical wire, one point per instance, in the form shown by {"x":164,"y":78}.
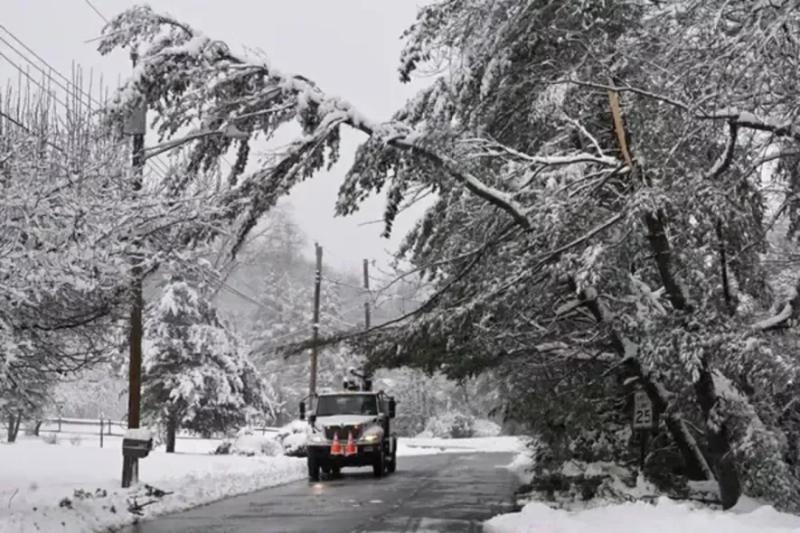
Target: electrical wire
{"x":99,"y":14}
{"x":156,"y":164}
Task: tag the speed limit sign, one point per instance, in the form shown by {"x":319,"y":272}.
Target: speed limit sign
{"x":642,"y":411}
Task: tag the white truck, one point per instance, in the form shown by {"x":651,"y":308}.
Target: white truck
{"x":350,"y":428}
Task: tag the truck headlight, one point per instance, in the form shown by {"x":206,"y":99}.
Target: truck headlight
{"x":372,"y":435}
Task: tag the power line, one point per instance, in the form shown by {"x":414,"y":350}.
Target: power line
{"x":156,"y":161}
{"x":32,"y":79}
{"x":76,"y":93}
{"x":344,"y":284}
{"x":52,"y":70}
{"x":27,"y":129}
{"x":99,"y":14}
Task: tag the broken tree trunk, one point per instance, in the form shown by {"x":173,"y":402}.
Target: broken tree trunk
{"x":716,"y":433}
{"x":696,"y":465}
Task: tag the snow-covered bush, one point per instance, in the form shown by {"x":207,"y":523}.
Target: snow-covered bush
{"x":293,"y":437}
{"x":249,"y":444}
{"x":485,"y":428}
{"x":450,"y":426}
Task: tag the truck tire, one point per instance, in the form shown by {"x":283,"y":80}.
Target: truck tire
{"x":379,"y":465}
{"x":313,"y":468}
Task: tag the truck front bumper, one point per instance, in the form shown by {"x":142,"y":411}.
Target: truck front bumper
{"x":365,"y":455}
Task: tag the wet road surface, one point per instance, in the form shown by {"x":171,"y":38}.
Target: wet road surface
{"x":432,"y":493}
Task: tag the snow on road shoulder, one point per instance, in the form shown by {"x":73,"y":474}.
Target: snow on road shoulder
{"x":426,"y":446}
{"x":521,"y":465}
{"x":666,"y":516}
{"x":67,"y":488}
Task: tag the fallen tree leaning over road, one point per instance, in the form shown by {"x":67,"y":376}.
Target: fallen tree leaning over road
{"x":600,"y":220}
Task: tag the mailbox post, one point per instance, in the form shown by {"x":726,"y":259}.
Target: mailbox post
{"x":136,"y":444}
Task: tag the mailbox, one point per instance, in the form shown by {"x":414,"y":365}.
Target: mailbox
{"x":137,"y":443}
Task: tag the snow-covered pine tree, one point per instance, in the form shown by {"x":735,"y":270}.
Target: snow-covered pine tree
{"x":195,"y":373}
{"x":285,"y":317}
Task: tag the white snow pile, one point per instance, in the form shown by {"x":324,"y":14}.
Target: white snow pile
{"x":293,"y":437}
{"x":289,"y":440}
{"x":250,"y":444}
{"x":522,"y":465}
{"x":458,"y":426}
{"x":425,"y":446}
{"x":485,"y":428}
{"x":68,"y":489}
{"x":666,"y":516}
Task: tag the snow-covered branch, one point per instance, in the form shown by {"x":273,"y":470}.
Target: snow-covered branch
{"x":174,"y":60}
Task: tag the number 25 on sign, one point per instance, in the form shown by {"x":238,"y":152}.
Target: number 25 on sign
{"x":642,"y":411}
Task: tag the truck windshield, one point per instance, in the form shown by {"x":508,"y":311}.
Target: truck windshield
{"x":347,"y":404}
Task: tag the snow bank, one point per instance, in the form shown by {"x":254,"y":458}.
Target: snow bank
{"x":455,"y":425}
{"x":666,"y":516}
{"x":522,"y":465}
{"x":424,"y":446}
{"x":250,"y":445}
{"x":485,"y":428}
{"x":43,"y":486}
{"x":293,"y":437}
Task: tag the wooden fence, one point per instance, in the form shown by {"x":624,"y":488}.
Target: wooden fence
{"x":104,"y":427}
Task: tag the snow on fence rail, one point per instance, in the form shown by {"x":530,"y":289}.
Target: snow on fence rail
{"x":104,"y":427}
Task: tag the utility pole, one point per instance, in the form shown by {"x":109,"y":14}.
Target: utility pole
{"x":136,"y":128}
{"x":367,"y":379}
{"x":366,"y":289}
{"x":312,"y":387}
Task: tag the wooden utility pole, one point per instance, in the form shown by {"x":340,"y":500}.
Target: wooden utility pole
{"x":312,"y":387}
{"x":366,"y":289}
{"x":130,"y":465}
{"x":366,"y":378}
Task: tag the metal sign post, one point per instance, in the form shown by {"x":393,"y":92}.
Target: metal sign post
{"x":643,"y":421}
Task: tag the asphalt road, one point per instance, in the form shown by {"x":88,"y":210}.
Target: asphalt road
{"x":432,"y":493}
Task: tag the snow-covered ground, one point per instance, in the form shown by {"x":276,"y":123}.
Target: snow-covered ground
{"x":75,"y":482}
{"x":662,"y":516}
{"x":666,"y":516}
{"x":423,"y":446}
{"x":38,"y":482}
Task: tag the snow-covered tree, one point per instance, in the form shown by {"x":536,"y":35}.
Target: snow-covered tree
{"x":195,"y":373}
{"x":73,"y":226}
{"x":600,"y":214}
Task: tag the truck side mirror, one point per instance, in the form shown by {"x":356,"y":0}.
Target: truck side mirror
{"x":302,"y":410}
{"x":392,"y":407}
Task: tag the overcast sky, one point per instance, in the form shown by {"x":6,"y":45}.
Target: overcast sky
{"x":349,"y":47}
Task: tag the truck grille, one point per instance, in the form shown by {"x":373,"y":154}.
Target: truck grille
{"x":342,"y":431}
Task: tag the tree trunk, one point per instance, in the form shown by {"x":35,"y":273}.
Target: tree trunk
{"x":172,"y":429}
{"x":696,"y":466}
{"x":13,"y":426}
{"x":659,"y":244}
{"x":718,"y":442}
{"x":36,"y":428}
{"x":718,"y":438}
